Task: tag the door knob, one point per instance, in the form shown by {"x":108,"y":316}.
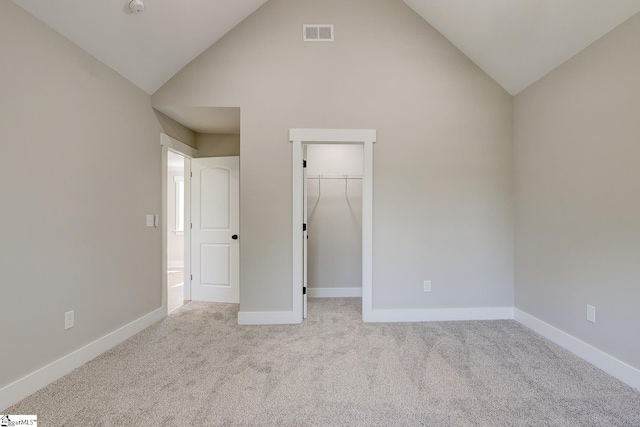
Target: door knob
{"x":234,"y":237}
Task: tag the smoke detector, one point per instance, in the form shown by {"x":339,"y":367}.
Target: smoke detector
{"x":136,"y":6}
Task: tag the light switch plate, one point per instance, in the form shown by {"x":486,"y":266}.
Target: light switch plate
{"x":427,"y":285}
{"x":69,"y":320}
{"x":150,"y":220}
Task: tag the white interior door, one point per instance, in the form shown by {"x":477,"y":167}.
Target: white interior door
{"x":305,"y":235}
{"x":215,"y":254}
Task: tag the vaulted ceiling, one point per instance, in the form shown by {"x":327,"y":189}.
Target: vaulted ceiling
{"x":516,"y":42}
{"x":519,"y":41}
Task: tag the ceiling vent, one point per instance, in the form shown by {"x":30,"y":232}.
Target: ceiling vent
{"x":317,"y":33}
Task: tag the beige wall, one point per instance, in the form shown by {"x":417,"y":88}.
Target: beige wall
{"x":217,"y":144}
{"x":577,"y":163}
{"x":442,"y":185}
{"x":79,"y":169}
{"x":176,"y":130}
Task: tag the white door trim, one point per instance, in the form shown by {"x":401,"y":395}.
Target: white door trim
{"x":177,"y":146}
{"x":366,"y":137}
{"x":187,"y":235}
{"x":305,"y":236}
{"x":167,"y":144}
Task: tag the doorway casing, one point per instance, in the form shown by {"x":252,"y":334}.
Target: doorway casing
{"x":299,"y":137}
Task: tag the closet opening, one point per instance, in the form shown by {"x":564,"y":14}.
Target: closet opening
{"x":333,"y":187}
{"x":356,"y":189}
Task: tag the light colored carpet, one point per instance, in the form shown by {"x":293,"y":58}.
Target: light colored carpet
{"x":198,"y":368}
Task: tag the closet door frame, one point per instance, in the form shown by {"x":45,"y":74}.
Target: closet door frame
{"x":299,"y":138}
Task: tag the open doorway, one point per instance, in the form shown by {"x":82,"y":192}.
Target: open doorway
{"x":201,"y":265}
{"x":175,"y":230}
{"x":213,"y":180}
{"x":334,"y":220}
{"x":301,"y":140}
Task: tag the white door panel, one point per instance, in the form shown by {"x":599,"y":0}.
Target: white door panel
{"x":215,"y":228}
{"x":214,"y":196}
{"x":214,"y":264}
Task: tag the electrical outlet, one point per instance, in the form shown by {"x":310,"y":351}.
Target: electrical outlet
{"x":591,"y":313}
{"x":427,"y":285}
{"x":69,"y":320}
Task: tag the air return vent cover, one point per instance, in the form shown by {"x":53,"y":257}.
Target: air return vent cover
{"x":317,"y":33}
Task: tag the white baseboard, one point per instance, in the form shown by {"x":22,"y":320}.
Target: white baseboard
{"x":354,"y":292}
{"x":268,"y":318}
{"x":18,"y":390}
{"x":438,"y":314}
{"x":614,"y":367}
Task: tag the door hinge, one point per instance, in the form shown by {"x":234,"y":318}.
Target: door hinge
{"x":192,"y":226}
{"x":304,"y":290}
{"x":191,"y":174}
{"x":304,"y":227}
{"x":192,"y":277}
{"x":304,"y":163}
